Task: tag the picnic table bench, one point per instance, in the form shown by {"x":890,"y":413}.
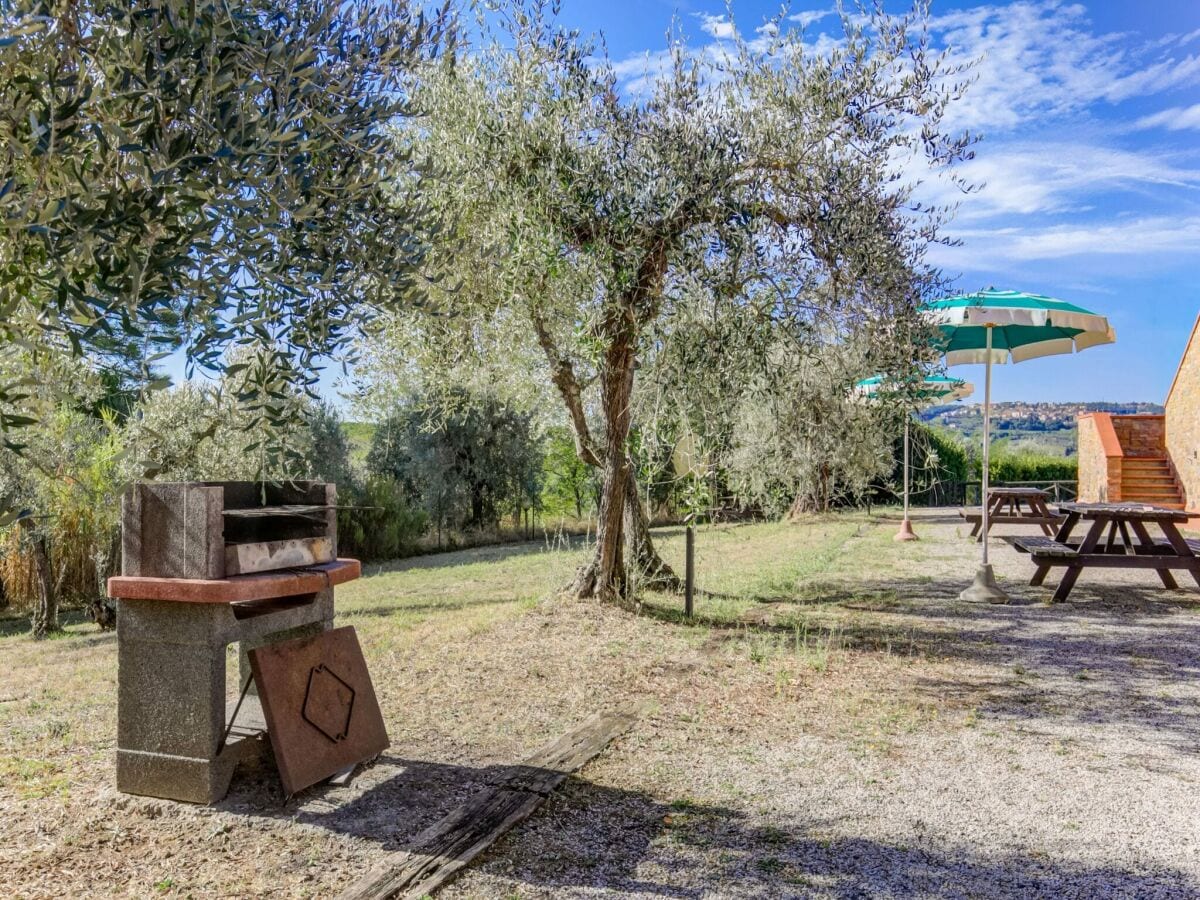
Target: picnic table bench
{"x":1013,"y":506}
{"x":1128,"y":544}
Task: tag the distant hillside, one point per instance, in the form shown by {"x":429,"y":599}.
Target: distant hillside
{"x":1035,"y":427}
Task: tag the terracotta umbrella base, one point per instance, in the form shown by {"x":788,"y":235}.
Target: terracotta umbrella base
{"x":906,"y":532}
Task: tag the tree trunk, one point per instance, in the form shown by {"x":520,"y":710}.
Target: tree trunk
{"x":652,"y":570}
{"x":612,"y":573}
{"x":803,"y":504}
{"x":605,"y":576}
{"x":476,"y":507}
{"x":44,"y":620}
{"x":102,"y":610}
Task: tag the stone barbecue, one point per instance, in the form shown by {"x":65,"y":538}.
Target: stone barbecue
{"x":205,"y":565}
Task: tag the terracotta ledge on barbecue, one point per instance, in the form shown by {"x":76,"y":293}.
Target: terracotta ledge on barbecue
{"x":237,"y":588}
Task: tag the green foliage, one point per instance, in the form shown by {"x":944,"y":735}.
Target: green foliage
{"x":803,"y":439}
{"x":359,"y":435}
{"x":955,"y":461}
{"x":1006,"y":466}
{"x":328,"y":451}
{"x":941,"y":462}
{"x":69,"y":478}
{"x":569,"y":485}
{"x":201,"y":175}
{"x":942,"y":453}
{"x":469,"y":466}
{"x":587,"y":226}
{"x":381,"y":524}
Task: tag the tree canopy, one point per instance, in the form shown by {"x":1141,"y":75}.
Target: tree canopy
{"x":181,"y":175}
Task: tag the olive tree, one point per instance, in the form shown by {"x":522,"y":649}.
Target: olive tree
{"x":199,"y":174}
{"x":580,"y":222}
{"x":810,"y":440}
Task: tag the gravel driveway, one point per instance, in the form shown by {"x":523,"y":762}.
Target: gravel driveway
{"x":1023,"y":751}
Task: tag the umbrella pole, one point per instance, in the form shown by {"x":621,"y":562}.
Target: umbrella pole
{"x":984,"y":587}
{"x":987,"y":441}
{"x":906,"y":532}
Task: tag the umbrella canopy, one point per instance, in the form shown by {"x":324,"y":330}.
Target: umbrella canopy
{"x":929,"y":389}
{"x":1022,"y":326}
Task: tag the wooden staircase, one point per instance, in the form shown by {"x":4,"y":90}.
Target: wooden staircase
{"x":1150,"y":479}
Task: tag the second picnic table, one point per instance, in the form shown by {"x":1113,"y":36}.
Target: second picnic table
{"x":1117,"y":550}
{"x":1013,"y":506}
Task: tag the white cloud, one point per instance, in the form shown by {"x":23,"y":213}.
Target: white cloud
{"x":1177,"y":118}
{"x":997,"y":249}
{"x":637,"y":75}
{"x":1042,"y":58}
{"x":718,"y":26}
{"x":1036,"y":59}
{"x":1049,"y":167}
{"x":807,"y":17}
{"x":1055,"y":177}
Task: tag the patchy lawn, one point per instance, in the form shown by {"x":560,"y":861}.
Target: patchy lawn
{"x":834,"y":722}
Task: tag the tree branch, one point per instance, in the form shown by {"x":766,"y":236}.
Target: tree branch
{"x":562,"y":373}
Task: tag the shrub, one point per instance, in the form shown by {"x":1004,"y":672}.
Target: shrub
{"x":377,"y":522}
{"x":469,"y":465}
{"x":1025,"y":466}
{"x":569,"y":485}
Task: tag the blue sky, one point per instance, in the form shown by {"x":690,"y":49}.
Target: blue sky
{"x":1090,"y":117}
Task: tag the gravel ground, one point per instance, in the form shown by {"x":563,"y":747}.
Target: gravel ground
{"x":835,"y":724}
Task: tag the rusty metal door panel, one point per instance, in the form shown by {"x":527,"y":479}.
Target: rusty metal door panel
{"x":319,"y":706}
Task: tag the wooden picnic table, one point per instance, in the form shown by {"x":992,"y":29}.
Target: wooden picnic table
{"x":1013,"y":506}
{"x":1128,"y":544}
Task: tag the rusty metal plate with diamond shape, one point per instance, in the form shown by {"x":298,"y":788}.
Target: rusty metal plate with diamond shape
{"x":319,"y":706}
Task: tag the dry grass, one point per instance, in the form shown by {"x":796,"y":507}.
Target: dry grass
{"x":821,"y":724}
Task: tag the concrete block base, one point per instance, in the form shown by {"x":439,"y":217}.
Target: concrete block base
{"x":172,"y":713}
{"x":182,"y":778}
{"x":984,"y":588}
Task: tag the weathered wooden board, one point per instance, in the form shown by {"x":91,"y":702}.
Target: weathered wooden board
{"x":266,"y":556}
{"x":449,"y":845}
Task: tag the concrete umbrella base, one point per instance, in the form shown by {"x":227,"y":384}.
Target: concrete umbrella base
{"x":984,"y":589}
{"x":906,"y":532}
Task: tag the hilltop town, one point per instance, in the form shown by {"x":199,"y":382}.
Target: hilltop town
{"x":1044,"y":427}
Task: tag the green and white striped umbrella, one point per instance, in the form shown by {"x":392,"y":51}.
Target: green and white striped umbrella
{"x":991,"y":327}
{"x":1022,"y":326}
{"x":930,"y":389}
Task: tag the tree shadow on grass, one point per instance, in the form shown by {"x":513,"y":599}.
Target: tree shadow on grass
{"x":588,"y":837}
{"x":349,"y":614}
{"x":14,"y":624}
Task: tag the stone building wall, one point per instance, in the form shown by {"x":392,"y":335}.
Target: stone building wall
{"x":1183,"y":421}
{"x":1093,"y":457}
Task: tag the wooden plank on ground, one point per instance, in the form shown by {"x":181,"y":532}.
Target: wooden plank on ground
{"x":446,"y":847}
